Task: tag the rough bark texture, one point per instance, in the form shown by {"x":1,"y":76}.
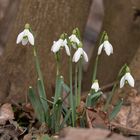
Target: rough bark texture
{"x":8,"y":10}
{"x":48,"y":19}
{"x":123,"y":29}
{"x":135,"y":63}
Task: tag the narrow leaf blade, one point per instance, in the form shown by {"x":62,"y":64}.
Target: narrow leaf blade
{"x":116,"y":109}
{"x":36,"y":105}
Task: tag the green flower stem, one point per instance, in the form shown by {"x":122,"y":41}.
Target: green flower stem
{"x":57,"y":82}
{"x":71,"y":93}
{"x":37,"y":64}
{"x":79,"y":81}
{"x":95,"y":69}
{"x":76,"y":93}
{"x":114,"y":87}
{"x":110,"y":97}
{"x":57,"y":64}
{"x":38,"y":69}
{"x":57,"y":113}
{"x":97,"y":57}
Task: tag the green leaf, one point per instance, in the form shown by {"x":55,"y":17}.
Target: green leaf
{"x":43,"y":95}
{"x":65,"y":119}
{"x":65,"y":111}
{"x":58,"y":87}
{"x":93,"y":98}
{"x":88,"y":100}
{"x":66,"y":88}
{"x":36,"y":105}
{"x":116,"y":109}
{"x":57,"y":114}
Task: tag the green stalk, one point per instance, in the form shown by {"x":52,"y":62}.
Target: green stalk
{"x":37,"y":64}
{"x":38,"y":67}
{"x":110,"y":97}
{"x":71,"y":93}
{"x":114,"y":87}
{"x":76,"y":93}
{"x":58,"y":110}
{"x":57,"y":97}
{"x":95,"y":69}
{"x":79,"y":81}
{"x":97,"y":57}
{"x":58,"y":79}
{"x":57,"y":64}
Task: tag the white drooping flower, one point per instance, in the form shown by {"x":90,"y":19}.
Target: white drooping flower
{"x":73,"y":38}
{"x":57,"y":45}
{"x":127,"y":78}
{"x":95,"y":86}
{"x":25,"y":36}
{"x":78,"y":54}
{"x":107,"y":48}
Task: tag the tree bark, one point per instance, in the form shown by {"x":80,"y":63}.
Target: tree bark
{"x":124,"y":31}
{"x":48,"y":19}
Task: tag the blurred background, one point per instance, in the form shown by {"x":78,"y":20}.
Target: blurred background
{"x":48,"y":19}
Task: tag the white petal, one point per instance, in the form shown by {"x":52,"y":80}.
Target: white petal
{"x":111,"y":49}
{"x":108,"y":48}
{"x":67,"y":50}
{"x":130,"y":79}
{"x":85,"y":56}
{"x":77,"y":55}
{"x":30,"y":38}
{"x":20,"y":37}
{"x":53,"y":46}
{"x":100,"y":49}
{"x":64,"y":43}
{"x":73,"y":38}
{"x":95,"y":86}
{"x":26,"y":32}
{"x":56,"y":45}
{"x":122,"y":81}
{"x":24,"y":41}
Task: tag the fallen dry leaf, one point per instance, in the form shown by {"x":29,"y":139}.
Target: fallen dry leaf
{"x":27,"y":137}
{"x":6,"y":113}
{"x":96,"y":118}
{"x":129,"y":116}
{"x":89,"y":134}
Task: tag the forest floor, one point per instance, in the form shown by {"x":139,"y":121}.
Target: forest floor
{"x":17,"y":122}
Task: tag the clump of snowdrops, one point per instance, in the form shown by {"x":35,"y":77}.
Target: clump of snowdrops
{"x":57,"y":114}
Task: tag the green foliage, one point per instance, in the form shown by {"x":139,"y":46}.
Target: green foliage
{"x":35,"y":100}
{"x":92,"y":99}
{"x":116,"y":109}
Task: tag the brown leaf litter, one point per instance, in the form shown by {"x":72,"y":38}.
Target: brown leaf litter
{"x":89,"y":134}
{"x":128,"y":119}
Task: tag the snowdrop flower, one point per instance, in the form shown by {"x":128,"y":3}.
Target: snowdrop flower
{"x":57,"y":45}
{"x":25,"y":36}
{"x":78,"y":54}
{"x":106,"y":46}
{"x":95,"y":86}
{"x":127,"y":78}
{"x":73,"y":38}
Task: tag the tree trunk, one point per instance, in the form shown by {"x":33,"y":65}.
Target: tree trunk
{"x":135,"y":63}
{"x":48,"y":19}
{"x":120,"y":22}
